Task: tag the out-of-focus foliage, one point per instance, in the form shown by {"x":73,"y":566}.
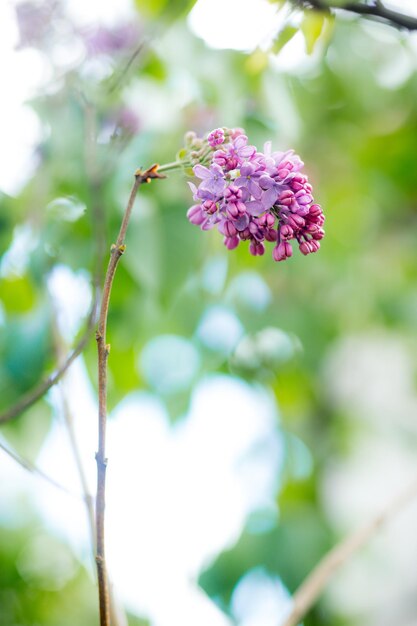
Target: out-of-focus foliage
{"x":164,"y":8}
{"x":183,"y":306}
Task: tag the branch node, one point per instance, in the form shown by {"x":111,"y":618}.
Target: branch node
{"x":149,"y":174}
{"x":100,"y":460}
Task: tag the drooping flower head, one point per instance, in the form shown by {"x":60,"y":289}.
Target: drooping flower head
{"x":250,"y":195}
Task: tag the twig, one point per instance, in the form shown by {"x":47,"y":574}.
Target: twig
{"x":117,"y":83}
{"x":87,"y":497}
{"x":40,"y":390}
{"x":69,"y":426}
{"x":311,"y":588}
{"x":34,"y":469}
{"x":376,"y":11}
{"x":59,"y":345}
{"x":103,"y":348}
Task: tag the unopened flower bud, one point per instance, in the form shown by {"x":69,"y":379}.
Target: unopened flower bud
{"x":216,"y":137}
{"x":282,"y":251}
{"x":196,"y":215}
{"x":231,"y":242}
{"x":256,"y":248}
{"x":267,"y":220}
{"x":305,"y":248}
{"x":286,"y":231}
{"x":229,"y":229}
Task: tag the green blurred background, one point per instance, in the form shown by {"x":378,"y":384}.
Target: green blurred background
{"x":329,"y":339}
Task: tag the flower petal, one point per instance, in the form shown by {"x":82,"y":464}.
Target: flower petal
{"x":255,"y":208}
{"x":201,"y":172}
{"x":269,"y":197}
{"x":242,"y":222}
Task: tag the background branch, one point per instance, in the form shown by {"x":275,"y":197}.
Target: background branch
{"x":34,"y":469}
{"x":40,"y":390}
{"x":69,"y":427}
{"x":376,"y":11}
{"x":314,"y":584}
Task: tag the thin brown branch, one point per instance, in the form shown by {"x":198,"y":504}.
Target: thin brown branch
{"x":103,"y":349}
{"x":32,"y":396}
{"x":311,"y":588}
{"x":87,"y":497}
{"x":117,"y":83}
{"x":69,"y":426}
{"x":375,"y":11}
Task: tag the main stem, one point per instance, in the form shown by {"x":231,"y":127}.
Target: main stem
{"x":103,"y":348}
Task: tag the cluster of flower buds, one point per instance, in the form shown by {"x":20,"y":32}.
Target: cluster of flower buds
{"x":254,"y":196}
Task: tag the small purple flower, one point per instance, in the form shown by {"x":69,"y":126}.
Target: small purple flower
{"x":241,"y":149}
{"x":216,"y":137}
{"x":212,"y":179}
{"x":271,"y":191}
{"x":231,"y":156}
{"x":250,"y":174}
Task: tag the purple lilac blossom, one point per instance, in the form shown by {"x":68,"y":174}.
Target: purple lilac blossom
{"x":216,"y":137}
{"x":255,"y":196}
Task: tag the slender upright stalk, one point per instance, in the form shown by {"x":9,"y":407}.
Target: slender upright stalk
{"x":307,"y":594}
{"x":103,"y":348}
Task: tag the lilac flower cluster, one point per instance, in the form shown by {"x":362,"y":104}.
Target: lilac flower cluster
{"x":254,"y":196}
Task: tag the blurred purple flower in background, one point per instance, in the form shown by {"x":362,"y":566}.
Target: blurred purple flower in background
{"x":35,"y":21}
{"x":104,"y":40}
{"x":254,"y":196}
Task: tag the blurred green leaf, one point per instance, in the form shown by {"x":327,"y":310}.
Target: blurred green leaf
{"x":172,"y":9}
{"x":283,"y":37}
{"x":263,"y":352}
{"x":257,"y":62}
{"x":25,"y":351}
{"x":17,"y":294}
{"x":154,"y":66}
{"x":312,"y":26}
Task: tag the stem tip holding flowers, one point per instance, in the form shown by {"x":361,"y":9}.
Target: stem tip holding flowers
{"x":252,"y":195}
